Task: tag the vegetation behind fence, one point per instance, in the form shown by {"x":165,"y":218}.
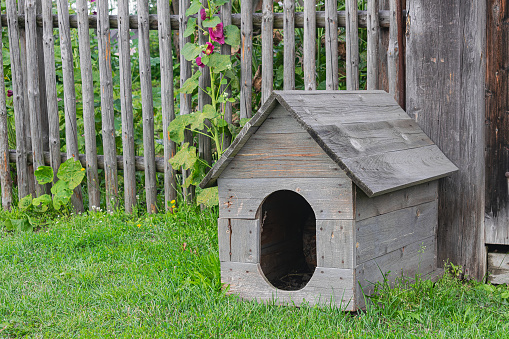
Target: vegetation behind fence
{"x":121,"y":74}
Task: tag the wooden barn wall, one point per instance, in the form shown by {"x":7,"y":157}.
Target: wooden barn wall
{"x":445,"y":95}
{"x":497,"y":122}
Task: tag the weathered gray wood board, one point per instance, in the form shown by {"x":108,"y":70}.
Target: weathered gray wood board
{"x":239,"y":240}
{"x":385,"y":233}
{"x":246,"y":73}
{"x":5,"y":175}
{"x":226,"y":15}
{"x":126,"y":103}
{"x":498,"y":268}
{"x":416,"y":258}
{"x":366,"y":207}
{"x":87,"y":89}
{"x":497,"y":124}
{"x":267,"y":49}
{"x":331,"y":45}
{"x":373,"y":31}
{"x":167,"y":105}
{"x":335,"y":246}
{"x":327,"y":286}
{"x":236,"y":20}
{"x":352,"y":45}
{"x":309,"y":45}
{"x":147,"y":107}
{"x":51,"y":88}
{"x":289,"y":44}
{"x":330,"y":198}
{"x":446,"y":68}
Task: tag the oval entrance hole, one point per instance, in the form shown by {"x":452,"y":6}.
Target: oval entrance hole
{"x":288,"y":240}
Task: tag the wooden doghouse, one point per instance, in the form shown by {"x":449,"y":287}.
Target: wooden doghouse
{"x":324,"y":191}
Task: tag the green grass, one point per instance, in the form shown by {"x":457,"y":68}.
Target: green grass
{"x":120,"y":276}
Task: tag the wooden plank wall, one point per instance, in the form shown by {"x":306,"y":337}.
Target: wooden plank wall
{"x":497,"y":123}
{"x":38,"y":106}
{"x":445,"y":77}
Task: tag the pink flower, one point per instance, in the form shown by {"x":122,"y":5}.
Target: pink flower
{"x":217,"y":34}
{"x":10,"y":93}
{"x":94,"y":12}
{"x":92,"y":0}
{"x":210,"y":48}
{"x":203,"y":14}
{"x":199,"y":63}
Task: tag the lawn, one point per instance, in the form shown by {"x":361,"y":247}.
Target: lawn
{"x":120,"y":276}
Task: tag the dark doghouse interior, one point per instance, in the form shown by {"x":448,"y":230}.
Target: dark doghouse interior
{"x":288,"y":240}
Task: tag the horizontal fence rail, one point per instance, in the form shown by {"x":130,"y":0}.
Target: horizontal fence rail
{"x":38,"y":101}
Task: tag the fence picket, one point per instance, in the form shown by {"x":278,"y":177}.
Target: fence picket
{"x":267,"y":49}
{"x":147,"y":106}
{"x":246,"y":72}
{"x":51,"y":87}
{"x":87,"y":89}
{"x":71,"y":131}
{"x":33,"y":94}
{"x":226,"y":16}
{"x":42,"y":81}
{"x":352,"y":46}
{"x":18,"y":98}
{"x":126,"y":104}
{"x":289,"y":44}
{"x":392,"y":52}
{"x":167,"y":105}
{"x":5,"y":173}
{"x":107,"y":112}
{"x":331,"y":44}
{"x":372,"y":48}
{"x":309,"y":45}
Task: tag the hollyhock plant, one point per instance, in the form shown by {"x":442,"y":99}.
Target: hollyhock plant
{"x":210,"y":48}
{"x":209,"y":120}
{"x":10,"y":93}
{"x":217,"y":33}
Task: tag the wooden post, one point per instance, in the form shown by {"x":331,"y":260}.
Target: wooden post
{"x":226,"y":16}
{"x":18,"y":98}
{"x":51,"y":87}
{"x":147,"y":106}
{"x":126,"y":104}
{"x":185,"y":99}
{"x":71,"y":130}
{"x":331,"y":44}
{"x":167,"y":105}
{"x":372,"y":49}
{"x":87,"y":89}
{"x":352,"y":45}
{"x":107,"y":113}
{"x":446,"y":70}
{"x":309,"y":45}
{"x":267,"y":49}
{"x":34,"y":103}
{"x":5,"y":173}
{"x":42,"y":82}
{"x":246,"y":72}
{"x":289,"y":44}
{"x":204,"y":148}
{"x":393,"y":51}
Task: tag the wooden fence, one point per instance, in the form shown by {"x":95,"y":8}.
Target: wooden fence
{"x":30,"y":22}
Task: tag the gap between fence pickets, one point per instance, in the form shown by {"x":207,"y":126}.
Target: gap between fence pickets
{"x":383,"y":18}
{"x":138,"y":161}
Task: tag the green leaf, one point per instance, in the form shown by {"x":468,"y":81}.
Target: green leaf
{"x":219,"y":62}
{"x":198,"y":118}
{"x":212,"y":22}
{"x":25,"y":202}
{"x":194,"y":8}
{"x":191,"y":27}
{"x":8,"y":225}
{"x":196,"y":175}
{"x":185,"y":157}
{"x":232,"y":36}
{"x":178,"y":126}
{"x":220,"y":2}
{"x":44,"y":174}
{"x":208,"y":197}
{"x":244,"y":121}
{"x":191,"y":51}
{"x":223,"y":81}
{"x":44,"y":201}
{"x":190,"y":84}
{"x":221,"y":123}
{"x":22,"y":225}
{"x":71,"y":172}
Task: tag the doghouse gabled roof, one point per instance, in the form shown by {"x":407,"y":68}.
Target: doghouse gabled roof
{"x":365,"y":132}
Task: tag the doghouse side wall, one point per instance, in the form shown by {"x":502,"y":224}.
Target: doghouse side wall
{"x":395,"y":232}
